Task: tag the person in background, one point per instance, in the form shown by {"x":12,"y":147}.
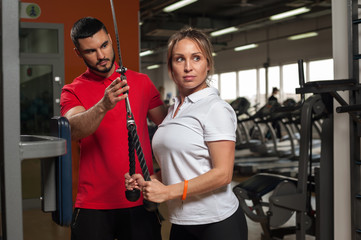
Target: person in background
{"x":93,"y":104}
{"x":194,"y":147}
{"x":273,"y":102}
{"x":273,"y":97}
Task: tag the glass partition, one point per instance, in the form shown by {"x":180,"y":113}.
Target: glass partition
{"x":36,"y":98}
{"x":37,"y":40}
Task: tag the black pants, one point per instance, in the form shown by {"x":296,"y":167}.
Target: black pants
{"x":232,"y":228}
{"x":121,"y":224}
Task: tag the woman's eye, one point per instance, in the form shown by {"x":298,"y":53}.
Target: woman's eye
{"x":179,"y":59}
{"x":197,"y":58}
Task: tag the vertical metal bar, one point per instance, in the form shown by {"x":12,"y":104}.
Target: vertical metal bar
{"x":306,"y":119}
{"x":12,"y":224}
{"x":355,"y":128}
{"x":325,"y":212}
{"x":318,"y":205}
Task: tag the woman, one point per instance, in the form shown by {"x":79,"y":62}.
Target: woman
{"x":194,"y":147}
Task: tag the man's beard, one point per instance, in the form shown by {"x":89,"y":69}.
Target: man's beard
{"x":106,"y":70}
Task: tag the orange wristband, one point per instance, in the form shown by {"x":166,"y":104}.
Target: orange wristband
{"x":185,"y":190}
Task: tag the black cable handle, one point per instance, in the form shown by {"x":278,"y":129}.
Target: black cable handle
{"x":133,"y":138}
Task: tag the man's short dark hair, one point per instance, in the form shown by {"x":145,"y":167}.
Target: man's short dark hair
{"x":84,"y":28}
{"x":274,"y":90}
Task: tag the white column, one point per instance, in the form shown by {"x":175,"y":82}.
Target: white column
{"x":342,"y":192}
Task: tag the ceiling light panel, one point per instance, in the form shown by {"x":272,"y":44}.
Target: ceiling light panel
{"x":178,"y":5}
{"x":303,"y":35}
{"x":245,"y":47}
{"x":224,"y":31}
{"x":146,"y":53}
{"x":289,"y":13}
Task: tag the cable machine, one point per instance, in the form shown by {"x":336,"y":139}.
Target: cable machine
{"x":14,"y":148}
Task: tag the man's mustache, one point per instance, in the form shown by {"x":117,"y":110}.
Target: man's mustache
{"x":104,"y":59}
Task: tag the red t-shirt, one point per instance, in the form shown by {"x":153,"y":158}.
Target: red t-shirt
{"x":104,"y":155}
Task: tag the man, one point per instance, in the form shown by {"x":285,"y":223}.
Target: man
{"x":273,"y":102}
{"x":273,"y":96}
{"x":97,"y":115}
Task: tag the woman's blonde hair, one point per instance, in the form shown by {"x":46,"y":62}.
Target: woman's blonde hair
{"x":202,"y":41}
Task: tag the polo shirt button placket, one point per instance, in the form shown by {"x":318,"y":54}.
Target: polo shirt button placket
{"x":182,"y":106}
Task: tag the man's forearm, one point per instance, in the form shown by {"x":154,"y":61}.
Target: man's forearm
{"x":87,"y":122}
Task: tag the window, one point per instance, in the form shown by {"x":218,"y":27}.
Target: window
{"x":290,"y":81}
{"x":228,"y":86}
{"x":214,"y":81}
{"x":33,"y":40}
{"x":262,"y":86}
{"x":273,"y":79}
{"x":321,"y":70}
{"x":252,"y":82}
{"x":247,"y":85}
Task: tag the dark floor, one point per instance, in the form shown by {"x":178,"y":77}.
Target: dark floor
{"x":39,"y":226}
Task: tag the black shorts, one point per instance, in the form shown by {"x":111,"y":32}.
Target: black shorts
{"x":122,"y":224}
{"x":232,"y":228}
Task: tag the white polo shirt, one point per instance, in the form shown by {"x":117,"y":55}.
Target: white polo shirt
{"x":179,"y":146}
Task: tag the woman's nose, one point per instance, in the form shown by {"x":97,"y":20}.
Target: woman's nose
{"x":187,"y":66}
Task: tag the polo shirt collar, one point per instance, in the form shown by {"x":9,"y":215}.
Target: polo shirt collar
{"x":208,"y":91}
{"x":195,"y":97}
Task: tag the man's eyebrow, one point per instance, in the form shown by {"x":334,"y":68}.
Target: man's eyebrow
{"x":92,"y":49}
{"x":105,"y":42}
{"x":87,"y":49}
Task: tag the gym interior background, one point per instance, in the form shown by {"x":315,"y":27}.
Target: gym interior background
{"x":42,"y":53}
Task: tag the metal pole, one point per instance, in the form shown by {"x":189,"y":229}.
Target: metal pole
{"x":12,"y":224}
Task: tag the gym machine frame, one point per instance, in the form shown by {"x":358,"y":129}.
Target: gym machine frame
{"x":289,"y":194}
{"x":15,"y":148}
{"x":285,"y":198}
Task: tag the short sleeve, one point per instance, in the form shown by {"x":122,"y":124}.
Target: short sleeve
{"x":68,"y":100}
{"x":220,"y":123}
